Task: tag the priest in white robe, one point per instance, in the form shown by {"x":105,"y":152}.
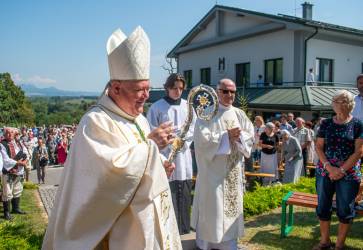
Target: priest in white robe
{"x":175,"y":109}
{"x":220,"y":147}
{"x":114,"y":192}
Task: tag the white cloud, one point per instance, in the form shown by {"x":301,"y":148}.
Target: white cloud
{"x":17,"y":78}
{"x":35,"y":79}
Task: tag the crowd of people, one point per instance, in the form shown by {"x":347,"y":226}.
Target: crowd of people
{"x":42,"y":145}
{"x":285,"y":143}
{"x":117,"y":171}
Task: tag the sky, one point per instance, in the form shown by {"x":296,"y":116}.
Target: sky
{"x":63,"y":43}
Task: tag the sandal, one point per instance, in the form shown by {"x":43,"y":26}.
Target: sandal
{"x":323,"y":246}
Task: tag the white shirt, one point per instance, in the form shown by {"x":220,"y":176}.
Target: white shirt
{"x":160,"y":112}
{"x":311,"y":78}
{"x":358,"y":108}
{"x":5,"y":161}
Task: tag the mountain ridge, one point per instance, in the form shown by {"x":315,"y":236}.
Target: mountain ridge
{"x":32,"y":90}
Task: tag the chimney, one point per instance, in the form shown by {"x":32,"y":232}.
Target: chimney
{"x":307,"y":11}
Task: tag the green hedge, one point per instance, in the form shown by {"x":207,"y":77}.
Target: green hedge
{"x":263,"y":199}
{"x":30,"y":185}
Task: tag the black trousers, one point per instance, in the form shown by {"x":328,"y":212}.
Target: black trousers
{"x":305,"y":159}
{"x":182,"y":200}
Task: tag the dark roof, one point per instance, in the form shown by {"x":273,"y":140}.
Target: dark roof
{"x":307,"y":98}
{"x":281,"y":17}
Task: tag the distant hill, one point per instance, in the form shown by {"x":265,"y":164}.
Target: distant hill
{"x":31,"y":90}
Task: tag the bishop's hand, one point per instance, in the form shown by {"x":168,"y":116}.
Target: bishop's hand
{"x":163,"y":135}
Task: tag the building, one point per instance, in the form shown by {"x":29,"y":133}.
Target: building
{"x":242,"y":44}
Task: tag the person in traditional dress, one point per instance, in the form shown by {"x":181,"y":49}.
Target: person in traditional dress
{"x":175,"y":109}
{"x":15,"y":159}
{"x":220,"y":146}
{"x":269,"y":143}
{"x":292,"y":155}
{"x":114,"y":193}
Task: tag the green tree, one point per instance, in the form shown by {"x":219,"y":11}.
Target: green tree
{"x":15,"y":108}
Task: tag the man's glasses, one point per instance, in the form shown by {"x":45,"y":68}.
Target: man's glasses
{"x":226,"y":91}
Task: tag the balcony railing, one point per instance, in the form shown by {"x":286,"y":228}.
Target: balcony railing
{"x":297,"y":84}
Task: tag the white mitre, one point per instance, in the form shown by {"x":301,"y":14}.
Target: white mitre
{"x":129,"y":57}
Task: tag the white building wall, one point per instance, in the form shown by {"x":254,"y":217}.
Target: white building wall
{"x":208,"y":33}
{"x":234,"y":23}
{"x":347,"y":59}
{"x":254,"y":50}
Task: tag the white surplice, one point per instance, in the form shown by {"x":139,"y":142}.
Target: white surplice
{"x":217,"y":213}
{"x":114,"y":189}
{"x":160,"y":112}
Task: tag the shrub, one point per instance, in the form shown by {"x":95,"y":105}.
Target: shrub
{"x":263,"y":199}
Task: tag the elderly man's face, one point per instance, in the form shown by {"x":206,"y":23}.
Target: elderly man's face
{"x":360,"y":85}
{"x":299,"y":123}
{"x":9,"y":134}
{"x":130,"y":96}
{"x":226,"y":93}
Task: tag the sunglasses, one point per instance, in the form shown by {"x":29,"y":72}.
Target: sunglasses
{"x":226,"y":91}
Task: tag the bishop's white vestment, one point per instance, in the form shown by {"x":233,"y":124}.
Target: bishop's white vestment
{"x":114,"y":191}
{"x":217,"y":213}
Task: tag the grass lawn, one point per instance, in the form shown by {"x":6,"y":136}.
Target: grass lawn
{"x":24,"y":231}
{"x":263,"y":231}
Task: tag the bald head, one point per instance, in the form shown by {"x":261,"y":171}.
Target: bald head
{"x":226,"y":83}
{"x":226,"y":90}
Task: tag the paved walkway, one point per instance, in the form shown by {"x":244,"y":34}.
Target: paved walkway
{"x":48,"y":190}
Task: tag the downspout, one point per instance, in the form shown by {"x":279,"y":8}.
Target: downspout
{"x":306,"y":49}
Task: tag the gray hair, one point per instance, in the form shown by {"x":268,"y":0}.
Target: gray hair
{"x":285,"y":132}
{"x":270,"y":125}
{"x":346,"y":97}
{"x":301,"y":119}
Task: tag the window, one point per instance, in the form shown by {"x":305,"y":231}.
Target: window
{"x":273,"y":71}
{"x":324,"y":69}
{"x":188,"y":76}
{"x":205,"y":76}
{"x":242,"y":74}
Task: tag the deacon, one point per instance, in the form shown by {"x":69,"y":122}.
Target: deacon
{"x":175,"y":109}
{"x":13,"y":160}
{"x":220,"y":147}
{"x":114,"y":193}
